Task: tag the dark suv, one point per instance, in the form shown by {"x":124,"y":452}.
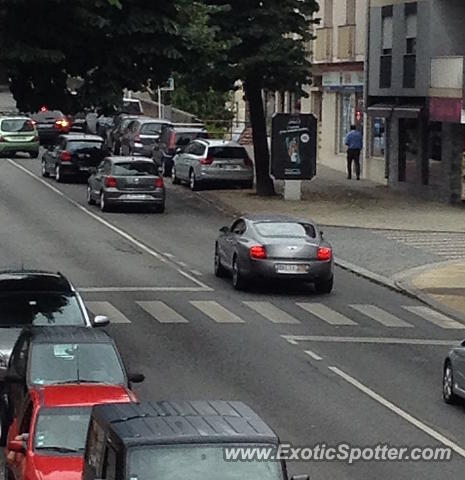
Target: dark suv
{"x":141,"y":135}
{"x":174,"y":139}
{"x":75,"y":155}
{"x":166,"y":440}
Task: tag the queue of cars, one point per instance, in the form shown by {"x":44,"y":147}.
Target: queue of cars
{"x":68,"y":409}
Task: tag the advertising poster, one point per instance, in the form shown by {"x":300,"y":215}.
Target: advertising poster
{"x":293,"y":146}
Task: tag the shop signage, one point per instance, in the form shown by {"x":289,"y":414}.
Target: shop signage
{"x":445,"y":109}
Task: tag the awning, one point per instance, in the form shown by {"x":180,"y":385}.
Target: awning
{"x":386,"y":110}
{"x":408,"y":111}
{"x":383,"y":110}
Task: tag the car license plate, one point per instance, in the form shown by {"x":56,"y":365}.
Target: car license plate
{"x":232,"y":167}
{"x":290,"y":268}
{"x":136,"y":197}
{"x":42,"y":126}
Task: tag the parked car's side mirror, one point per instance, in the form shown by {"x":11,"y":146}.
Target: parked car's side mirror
{"x":463,"y":343}
{"x":136,"y":377}
{"x":321,"y":232}
{"x":101,"y":321}
{"x":178,"y":151}
{"x":17,"y":446}
{"x":224,"y":229}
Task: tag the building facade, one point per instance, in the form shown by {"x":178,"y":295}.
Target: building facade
{"x":415,"y":96}
{"x":337,"y":94}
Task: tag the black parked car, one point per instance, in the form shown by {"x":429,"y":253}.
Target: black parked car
{"x":174,"y":139}
{"x":50,"y":125}
{"x":74,"y":155}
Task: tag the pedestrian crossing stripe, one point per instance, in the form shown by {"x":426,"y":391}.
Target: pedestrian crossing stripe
{"x":214,"y":311}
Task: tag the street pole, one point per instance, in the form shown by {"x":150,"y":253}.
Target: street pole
{"x":160,"y":115}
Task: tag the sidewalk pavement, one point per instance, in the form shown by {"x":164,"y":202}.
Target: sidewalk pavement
{"x":359,"y":218}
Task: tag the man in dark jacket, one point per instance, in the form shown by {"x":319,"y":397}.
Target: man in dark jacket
{"x":354,"y":143}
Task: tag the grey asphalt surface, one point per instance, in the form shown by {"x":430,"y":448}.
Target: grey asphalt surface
{"x":301,"y":398}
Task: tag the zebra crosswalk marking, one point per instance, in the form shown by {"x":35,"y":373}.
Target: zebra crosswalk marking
{"x":107,"y":309}
{"x":326,"y":314}
{"x":162,"y":312}
{"x":437,"y":318}
{"x":381,"y":316}
{"x":271,"y":313}
{"x":216,"y":312}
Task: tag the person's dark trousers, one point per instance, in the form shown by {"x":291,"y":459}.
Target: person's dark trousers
{"x":353,"y":156}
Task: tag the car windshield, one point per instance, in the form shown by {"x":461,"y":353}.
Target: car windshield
{"x":151,"y":129}
{"x":134,"y":169}
{"x":196,"y":463}
{"x":79,"y":146}
{"x":39,"y":309}
{"x":285,"y":229}
{"x":17,"y":125}
{"x":228,"y":152}
{"x":185,"y":138}
{"x":62,"y":429}
{"x":66,"y":363}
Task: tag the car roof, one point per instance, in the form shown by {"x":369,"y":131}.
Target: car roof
{"x":14,"y":117}
{"x":212,"y":142}
{"x":168,"y":422}
{"x":80,"y":395}
{"x":274,"y":217}
{"x":82,"y":136}
{"x":67,"y":334}
{"x":153,"y":120}
{"x":189,"y":129}
{"x":33,"y":280}
{"x":125,"y":159}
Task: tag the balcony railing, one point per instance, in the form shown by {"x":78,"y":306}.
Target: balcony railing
{"x":323,"y":51}
{"x":346,"y":42}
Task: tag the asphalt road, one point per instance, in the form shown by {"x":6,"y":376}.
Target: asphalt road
{"x":358,"y":366}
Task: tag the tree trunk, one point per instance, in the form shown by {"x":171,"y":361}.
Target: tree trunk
{"x":253,"y":91}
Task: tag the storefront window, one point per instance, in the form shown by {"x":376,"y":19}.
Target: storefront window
{"x":378,"y":137}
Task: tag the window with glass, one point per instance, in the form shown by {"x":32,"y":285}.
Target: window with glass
{"x":285,"y":229}
{"x":378,"y":136}
{"x":62,"y":430}
{"x":135,"y":169}
{"x":346,"y":118}
{"x":39,"y":309}
{"x":69,"y":363}
{"x":196,"y":462}
{"x":17,"y":126}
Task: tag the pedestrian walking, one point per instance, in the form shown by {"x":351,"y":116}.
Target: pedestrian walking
{"x":354,"y":143}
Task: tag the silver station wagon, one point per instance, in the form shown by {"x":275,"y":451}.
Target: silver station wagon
{"x":213,"y":161}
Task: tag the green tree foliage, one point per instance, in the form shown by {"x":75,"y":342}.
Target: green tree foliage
{"x":110,"y":44}
{"x":267,"y":42}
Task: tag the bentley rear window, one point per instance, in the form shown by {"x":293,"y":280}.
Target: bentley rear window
{"x":285,"y":229}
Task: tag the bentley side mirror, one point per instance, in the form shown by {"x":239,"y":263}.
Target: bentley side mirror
{"x":463,"y":344}
{"x":224,"y":229}
{"x":136,"y":377}
{"x":101,"y":321}
{"x":321,"y":232}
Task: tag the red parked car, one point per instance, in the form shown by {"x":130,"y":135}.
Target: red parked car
{"x":47,"y":438}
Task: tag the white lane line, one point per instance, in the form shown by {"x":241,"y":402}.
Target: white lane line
{"x":435,"y":317}
{"x":162,"y":312}
{"x":381,"y":316}
{"x":140,"y":289}
{"x":401,"y":413}
{"x":113,"y":228}
{"x":196,"y":273}
{"x":271,"y":313}
{"x":107,"y":309}
{"x":294,"y":339}
{"x":216,"y":311}
{"x":313,"y":355}
{"x":326,"y":314}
